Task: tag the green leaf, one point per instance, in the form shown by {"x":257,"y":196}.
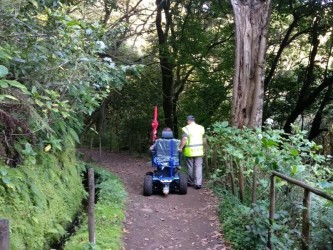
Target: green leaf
{"x":3,"y":172}
{"x":301,"y":168}
{"x":6,"y":180}
{"x":53,"y":231}
{"x":294,"y":169}
{"x":35,"y":219}
{"x":39,"y":103}
{"x":3,"y":71}
{"x":73,"y":23}
{"x":3,"y":54}
{"x":3,"y":84}
{"x":268,"y":143}
{"x":17,"y":85}
{"x":74,"y":135}
{"x":8,"y":97}
{"x":294,"y":152}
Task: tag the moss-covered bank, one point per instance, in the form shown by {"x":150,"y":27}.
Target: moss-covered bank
{"x":40,"y":200}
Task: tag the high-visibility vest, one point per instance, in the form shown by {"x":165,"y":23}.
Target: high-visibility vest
{"x":194,"y":143}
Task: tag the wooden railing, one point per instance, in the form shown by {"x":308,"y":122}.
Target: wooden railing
{"x":4,"y":234}
{"x":306,"y":204}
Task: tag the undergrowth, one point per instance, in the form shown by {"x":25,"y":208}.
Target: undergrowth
{"x":236,"y":153}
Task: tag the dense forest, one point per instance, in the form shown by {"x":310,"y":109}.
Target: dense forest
{"x":258,"y":75}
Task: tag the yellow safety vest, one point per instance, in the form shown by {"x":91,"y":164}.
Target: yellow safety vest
{"x":194,"y":143}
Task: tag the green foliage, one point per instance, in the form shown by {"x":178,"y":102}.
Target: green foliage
{"x":40,"y":199}
{"x":234,"y":217}
{"x":129,"y":114}
{"x":109,"y":215}
{"x":51,"y":76}
{"x":268,"y":150}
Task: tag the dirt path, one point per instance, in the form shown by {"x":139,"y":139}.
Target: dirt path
{"x":186,"y":222}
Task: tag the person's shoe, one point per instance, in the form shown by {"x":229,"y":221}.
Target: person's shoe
{"x":190,"y":185}
{"x":197,"y":187}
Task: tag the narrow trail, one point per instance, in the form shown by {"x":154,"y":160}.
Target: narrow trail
{"x":186,"y":222}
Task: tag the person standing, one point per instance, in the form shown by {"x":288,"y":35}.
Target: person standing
{"x":192,"y":143}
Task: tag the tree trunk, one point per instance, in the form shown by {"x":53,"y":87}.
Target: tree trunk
{"x":165,"y":64}
{"x":251,"y":23}
{"x":309,"y":91}
{"x":317,"y":120}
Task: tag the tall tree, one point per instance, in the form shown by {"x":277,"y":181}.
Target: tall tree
{"x":252,"y":22}
{"x":165,"y":60}
{"x":299,"y":73}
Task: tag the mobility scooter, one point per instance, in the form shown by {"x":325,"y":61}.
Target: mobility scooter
{"x":166,"y":176}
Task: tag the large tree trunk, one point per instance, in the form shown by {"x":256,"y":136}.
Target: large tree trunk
{"x":165,"y":64}
{"x":251,"y":23}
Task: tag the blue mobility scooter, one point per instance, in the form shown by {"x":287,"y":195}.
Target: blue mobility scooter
{"x":166,"y":176}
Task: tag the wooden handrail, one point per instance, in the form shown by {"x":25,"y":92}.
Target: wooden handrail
{"x":303,"y":185}
{"x":306,"y":204}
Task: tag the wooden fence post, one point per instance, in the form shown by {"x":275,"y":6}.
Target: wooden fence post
{"x":306,"y":219}
{"x":214,"y":158}
{"x":206,"y":159}
{"x":4,"y":234}
{"x":271,"y":211}
{"x":241,"y":181}
{"x":233,"y":185}
{"x":100,"y":147}
{"x":254,"y":185}
{"x":227,"y":169}
{"x":306,"y":203}
{"x":91,"y":205}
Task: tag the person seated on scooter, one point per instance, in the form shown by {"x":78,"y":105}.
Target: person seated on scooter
{"x":165,"y":150}
{"x":152,"y":147}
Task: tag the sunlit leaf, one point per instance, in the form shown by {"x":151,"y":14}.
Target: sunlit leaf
{"x":3,"y":71}
{"x":42,"y":17}
{"x":47,"y":148}
{"x":2,"y":97}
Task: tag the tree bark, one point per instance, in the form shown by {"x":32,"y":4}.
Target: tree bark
{"x":165,"y":64}
{"x":317,"y":120}
{"x":251,"y":22}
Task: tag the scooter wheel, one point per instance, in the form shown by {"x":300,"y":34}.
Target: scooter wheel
{"x":148,"y":185}
{"x":182,"y":183}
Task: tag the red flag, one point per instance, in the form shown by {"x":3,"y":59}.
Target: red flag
{"x":154,"y":125}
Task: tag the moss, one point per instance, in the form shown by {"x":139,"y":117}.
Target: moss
{"x":40,"y":200}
